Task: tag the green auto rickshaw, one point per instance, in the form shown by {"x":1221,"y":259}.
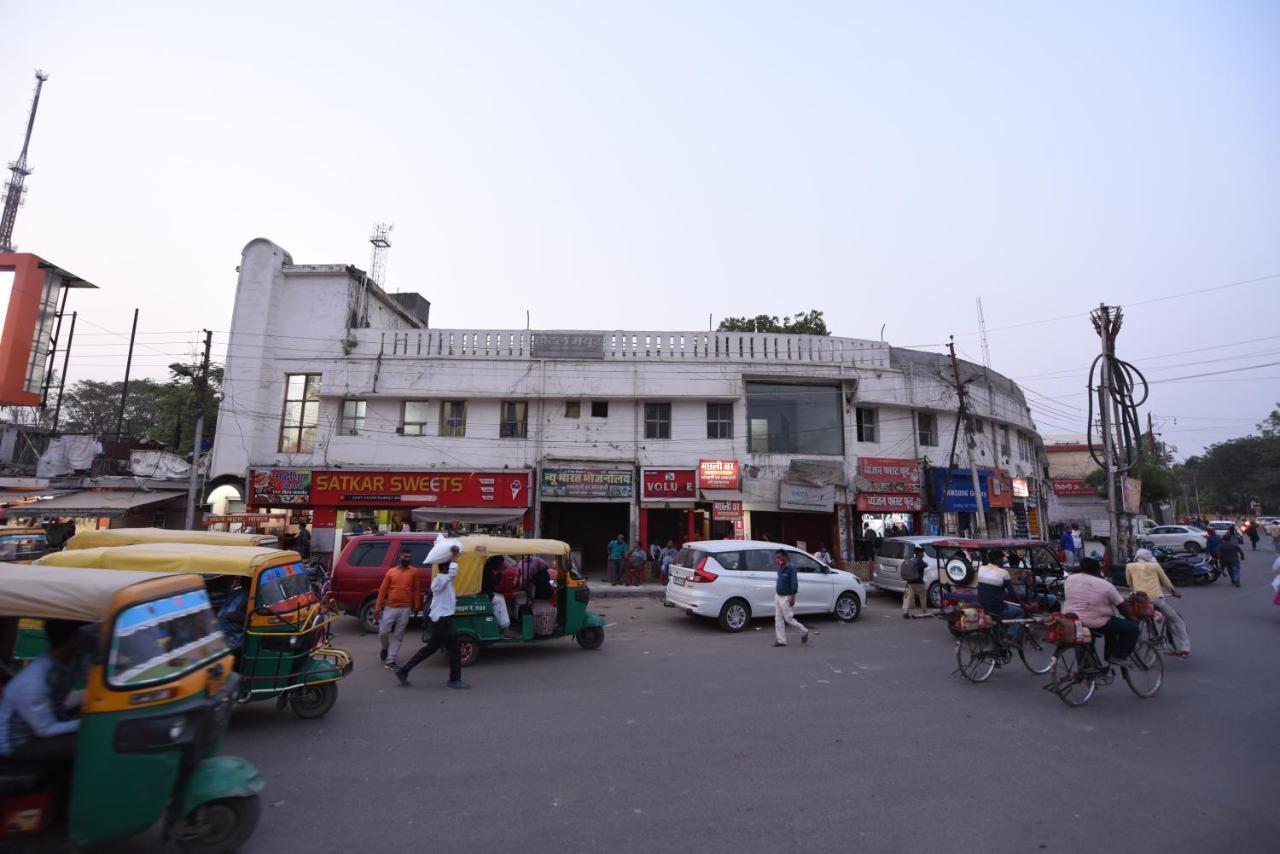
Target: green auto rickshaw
{"x":158,"y":691}
{"x":285,"y":651}
{"x":542,"y":607}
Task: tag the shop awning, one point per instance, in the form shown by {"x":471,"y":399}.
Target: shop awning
{"x":90,"y":503}
{"x":473,"y":515}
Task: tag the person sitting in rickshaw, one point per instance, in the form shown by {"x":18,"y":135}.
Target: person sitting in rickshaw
{"x":491,"y":586}
{"x":35,"y":723}
{"x":994,"y":586}
{"x":232,"y":614}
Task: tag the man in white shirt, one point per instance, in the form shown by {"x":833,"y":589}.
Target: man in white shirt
{"x":444,"y":602}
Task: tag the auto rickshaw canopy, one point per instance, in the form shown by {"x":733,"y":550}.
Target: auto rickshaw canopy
{"x":198,"y":558}
{"x":135,"y":536}
{"x":90,"y":596}
{"x":476,"y":550}
{"x":982,"y":545}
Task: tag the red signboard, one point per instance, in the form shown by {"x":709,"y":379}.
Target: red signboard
{"x":897,"y":502}
{"x":1073,"y":486}
{"x":888,"y":470}
{"x":420,"y":489}
{"x":668,"y":485}
{"x":1000,"y":492}
{"x":730,"y":511}
{"x":718,"y":474}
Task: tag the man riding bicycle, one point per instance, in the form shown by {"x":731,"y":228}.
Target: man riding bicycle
{"x":1101,"y":608}
{"x":995,"y":585}
{"x":1145,"y":575}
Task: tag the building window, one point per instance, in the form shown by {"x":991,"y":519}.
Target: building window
{"x":599,"y":409}
{"x":1024,"y":446}
{"x":719,"y":420}
{"x":453,"y":418}
{"x":515,"y":419}
{"x":352,"y":421}
{"x":927,"y":427}
{"x":977,"y":426}
{"x":1004,"y":441}
{"x":657,"y":421}
{"x":789,"y":418}
{"x":413,"y":418}
{"x":301,"y":413}
{"x":572,"y":409}
{"x":866,"y":424}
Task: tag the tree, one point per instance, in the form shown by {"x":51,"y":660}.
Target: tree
{"x":1270,"y":428}
{"x":805,"y":323}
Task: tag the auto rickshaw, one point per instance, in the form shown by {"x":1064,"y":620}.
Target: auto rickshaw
{"x":158,"y":691}
{"x":1034,"y":567}
{"x":23,"y":545}
{"x":136,"y":536}
{"x":474,"y":619}
{"x":286,"y":653}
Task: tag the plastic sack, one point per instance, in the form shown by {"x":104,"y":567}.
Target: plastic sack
{"x":442,"y":550}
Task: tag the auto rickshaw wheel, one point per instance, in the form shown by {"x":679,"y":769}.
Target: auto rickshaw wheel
{"x":591,"y":637}
{"x":469,"y":650}
{"x":313,"y":701}
{"x":218,"y":827}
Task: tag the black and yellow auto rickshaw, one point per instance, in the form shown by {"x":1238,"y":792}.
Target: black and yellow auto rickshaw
{"x":107,"y":537}
{"x":286,"y":653}
{"x":158,"y":691}
{"x":554,"y":607}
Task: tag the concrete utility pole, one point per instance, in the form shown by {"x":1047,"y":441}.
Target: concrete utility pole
{"x":1102,"y":321}
{"x":980,"y":516}
{"x":201,"y":383}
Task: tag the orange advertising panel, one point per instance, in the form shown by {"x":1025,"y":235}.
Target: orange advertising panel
{"x":28,"y":308}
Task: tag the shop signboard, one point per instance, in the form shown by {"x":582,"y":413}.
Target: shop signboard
{"x":1020,"y":489}
{"x":421,"y":488}
{"x":717,"y":474}
{"x":953,"y":491}
{"x":1001,"y":489}
{"x":587,"y":483}
{"x":889,"y":470}
{"x":567,"y":345}
{"x":800,"y":496}
{"x":668,"y":484}
{"x":892,"y":502}
{"x":279,"y":487}
{"x":1132,"y":488}
{"x":1073,"y":486}
{"x":729,"y":511}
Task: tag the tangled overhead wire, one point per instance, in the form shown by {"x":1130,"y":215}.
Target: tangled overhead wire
{"x":1123,"y":382}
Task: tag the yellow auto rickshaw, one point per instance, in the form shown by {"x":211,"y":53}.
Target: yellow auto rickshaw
{"x":158,"y":691}
{"x":283,"y":638}
{"x":137,"y":536}
{"x":23,"y":545}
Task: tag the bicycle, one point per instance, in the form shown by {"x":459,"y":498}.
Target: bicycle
{"x":981,"y":649}
{"x":1078,"y":671}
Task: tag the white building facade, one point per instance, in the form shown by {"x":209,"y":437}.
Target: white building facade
{"x":340,"y":404}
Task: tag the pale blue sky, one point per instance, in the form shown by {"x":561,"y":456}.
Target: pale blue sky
{"x":644,"y":165}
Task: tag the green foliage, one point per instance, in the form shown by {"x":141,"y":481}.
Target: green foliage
{"x":1233,"y":474}
{"x":162,"y":412}
{"x":1159,"y":484}
{"x":805,"y":323}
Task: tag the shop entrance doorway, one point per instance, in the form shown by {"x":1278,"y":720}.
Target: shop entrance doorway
{"x":587,"y":528}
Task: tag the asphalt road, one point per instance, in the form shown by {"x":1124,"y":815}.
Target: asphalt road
{"x":676,"y":736}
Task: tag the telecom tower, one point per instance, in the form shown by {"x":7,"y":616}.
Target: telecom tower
{"x":381,"y":240}
{"x":16,"y":187}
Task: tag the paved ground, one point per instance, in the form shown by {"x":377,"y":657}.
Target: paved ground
{"x":675,"y":736}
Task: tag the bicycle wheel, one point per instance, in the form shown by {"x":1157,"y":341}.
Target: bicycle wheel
{"x":1147,"y":629}
{"x":1036,"y":653}
{"x":975,"y":655}
{"x":1145,"y":679}
{"x":1072,"y":680}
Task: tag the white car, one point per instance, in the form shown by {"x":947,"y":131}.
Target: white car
{"x":733,"y":581}
{"x":1183,"y":538}
{"x":892,"y":553}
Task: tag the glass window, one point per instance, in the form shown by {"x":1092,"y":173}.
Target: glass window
{"x":977,"y":426}
{"x":573,"y":409}
{"x":866,"y":424}
{"x":1004,"y":440}
{"x":22,"y":546}
{"x":418,"y":549}
{"x":729,"y":560}
{"x":719,"y":420}
{"x":760,"y":560}
{"x":927,"y":426}
{"x":688,"y":558}
{"x":795,"y":419}
{"x":515,"y":419}
{"x":369,"y":554}
{"x":352,"y":417}
{"x":413,"y":418}
{"x":599,"y":409}
{"x":279,"y":583}
{"x":804,"y":563}
{"x":657,"y":421}
{"x":453,"y":418}
{"x":163,"y":638}
{"x":301,"y":413}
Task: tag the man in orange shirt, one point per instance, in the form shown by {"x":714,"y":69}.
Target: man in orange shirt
{"x":398,"y":597}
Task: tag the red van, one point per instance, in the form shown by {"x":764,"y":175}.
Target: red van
{"x":365,"y":559}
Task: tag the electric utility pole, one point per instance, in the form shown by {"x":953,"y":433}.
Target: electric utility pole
{"x":201,"y":383}
{"x":1107,"y":326}
{"x":980,"y":515}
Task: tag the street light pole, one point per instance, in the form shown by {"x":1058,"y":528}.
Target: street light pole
{"x":201,"y":384}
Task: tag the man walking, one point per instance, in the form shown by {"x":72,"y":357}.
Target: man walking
{"x":398,"y":597}
{"x":784,"y":599}
{"x":913,"y":573}
{"x":302,"y":542}
{"x":617,"y":554}
{"x":1229,"y":556}
{"x":1077,"y":544}
{"x":444,"y":601}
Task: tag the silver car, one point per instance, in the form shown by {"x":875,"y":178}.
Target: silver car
{"x":886,"y":573}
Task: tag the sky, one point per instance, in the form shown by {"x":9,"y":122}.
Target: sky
{"x":662,"y":165}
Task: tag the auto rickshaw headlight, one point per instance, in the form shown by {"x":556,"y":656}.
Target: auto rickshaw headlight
{"x":177,"y":729}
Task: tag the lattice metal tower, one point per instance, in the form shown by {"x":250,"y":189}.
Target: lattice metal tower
{"x":381,"y":241}
{"x":982,"y":330}
{"x":16,"y":187}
